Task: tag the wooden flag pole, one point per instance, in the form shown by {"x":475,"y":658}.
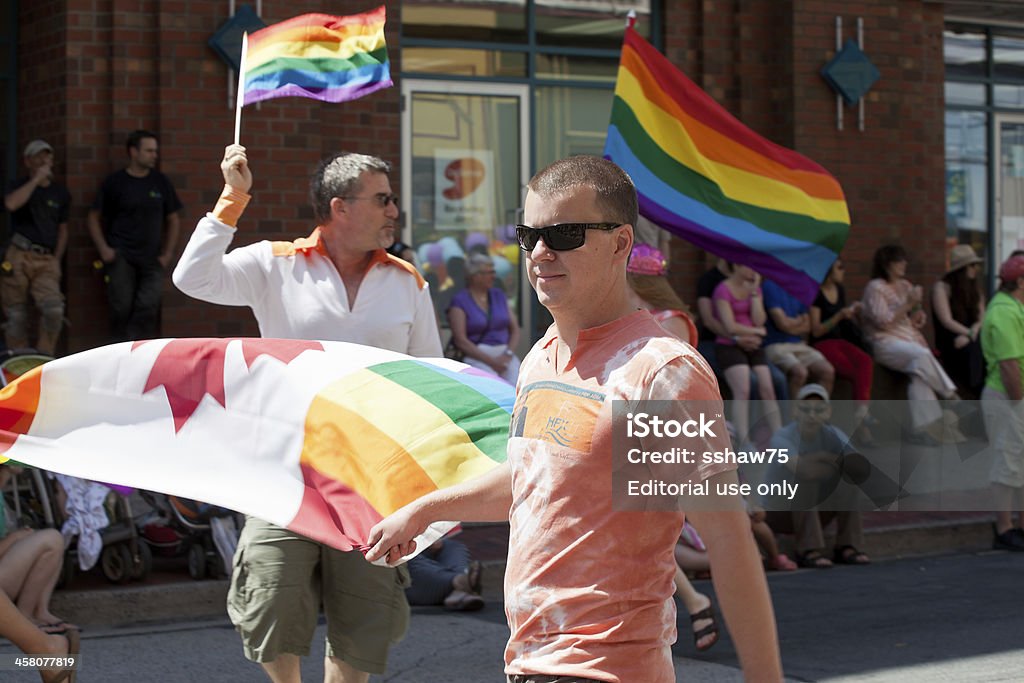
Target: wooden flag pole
{"x":240,"y":92}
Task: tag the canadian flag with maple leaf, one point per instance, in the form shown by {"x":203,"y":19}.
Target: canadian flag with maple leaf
{"x":324,"y":438}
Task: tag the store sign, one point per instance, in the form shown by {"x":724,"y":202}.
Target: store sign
{"x":464,"y":190}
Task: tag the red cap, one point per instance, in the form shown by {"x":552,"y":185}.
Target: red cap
{"x":1012,"y":269}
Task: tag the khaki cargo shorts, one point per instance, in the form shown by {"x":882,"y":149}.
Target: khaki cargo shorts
{"x":281,"y":579}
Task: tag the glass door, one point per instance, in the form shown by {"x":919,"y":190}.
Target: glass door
{"x":464,"y":170}
{"x":1009,"y":187}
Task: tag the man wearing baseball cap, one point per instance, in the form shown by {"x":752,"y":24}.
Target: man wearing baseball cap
{"x":39,"y":209}
{"x":1002,"y":340}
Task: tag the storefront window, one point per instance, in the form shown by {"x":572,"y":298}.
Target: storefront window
{"x":969,"y":94}
{"x":964,"y":53}
{"x":499,"y":21}
{"x":1008,"y":57}
{"x":464,"y":62}
{"x":966,"y":177}
{"x":570,"y":121}
{"x":590,"y":69}
{"x":588,"y":23}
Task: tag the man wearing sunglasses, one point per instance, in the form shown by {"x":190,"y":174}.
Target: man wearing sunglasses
{"x":338,"y":284}
{"x":588,"y":585}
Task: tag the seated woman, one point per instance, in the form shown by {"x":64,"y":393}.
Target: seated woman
{"x":740,"y":310}
{"x":646,"y":273}
{"x":893,"y":319}
{"x":957,"y":310}
{"x":30,"y":563}
{"x":482,"y":325}
{"x":834,"y":334}
{"x":444,"y":575}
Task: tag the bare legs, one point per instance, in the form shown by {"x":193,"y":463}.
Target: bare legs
{"x":29,"y":571}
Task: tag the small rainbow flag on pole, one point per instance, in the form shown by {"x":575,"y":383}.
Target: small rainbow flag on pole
{"x":704,"y":176}
{"x":323,"y":57}
{"x":324,"y":438}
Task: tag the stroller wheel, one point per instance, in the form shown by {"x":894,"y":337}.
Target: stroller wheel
{"x":116,"y":563}
{"x":142,"y":561}
{"x":197,"y":561}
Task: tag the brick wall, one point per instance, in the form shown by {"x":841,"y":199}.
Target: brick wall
{"x":761,"y":59}
{"x":110,"y":66}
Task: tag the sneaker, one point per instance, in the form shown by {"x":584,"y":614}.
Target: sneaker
{"x":1011,"y":539}
{"x":225,"y":538}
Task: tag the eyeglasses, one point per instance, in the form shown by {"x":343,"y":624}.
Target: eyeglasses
{"x":561,"y":237}
{"x":381,"y":198}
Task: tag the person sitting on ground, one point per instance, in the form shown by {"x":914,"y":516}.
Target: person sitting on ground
{"x":817,"y":453}
{"x":30,"y":564}
{"x":835,"y":334}
{"x":740,"y":311}
{"x":28,"y":638}
{"x":708,"y":329}
{"x":789,"y":323}
{"x":646,"y":274}
{"x":444,"y":575}
{"x":957,"y":311}
{"x":483,"y":327}
{"x":893,"y":319}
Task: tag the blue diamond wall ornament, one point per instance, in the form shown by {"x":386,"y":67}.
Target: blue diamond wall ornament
{"x":227,"y":41}
{"x":850,"y":73}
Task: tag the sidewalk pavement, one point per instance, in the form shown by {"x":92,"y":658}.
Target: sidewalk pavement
{"x":168,"y":593}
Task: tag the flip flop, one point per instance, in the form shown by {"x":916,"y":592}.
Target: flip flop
{"x":65,"y":675}
{"x":58,"y":627}
{"x":709,"y":630}
{"x":475,"y":576}
{"x":813,"y":559}
{"x":461,"y":601}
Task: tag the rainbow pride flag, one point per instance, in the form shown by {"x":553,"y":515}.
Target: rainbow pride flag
{"x":334,"y":59}
{"x":325,"y":438}
{"x":704,"y":176}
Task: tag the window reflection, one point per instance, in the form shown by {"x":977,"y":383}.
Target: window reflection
{"x":966,"y":174}
{"x":577,"y":68}
{"x":1008,"y":57}
{"x":501,"y":21}
{"x":595,"y":24}
{"x":570,"y":121}
{"x":462,"y":62}
{"x":965,"y":93}
{"x":964,"y":53}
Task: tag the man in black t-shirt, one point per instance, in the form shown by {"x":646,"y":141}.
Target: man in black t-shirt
{"x":39,"y":235}
{"x":134,"y":225}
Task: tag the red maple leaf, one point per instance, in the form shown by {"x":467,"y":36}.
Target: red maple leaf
{"x":189,"y":369}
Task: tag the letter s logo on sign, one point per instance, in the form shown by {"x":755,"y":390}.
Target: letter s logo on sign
{"x":466,"y":175}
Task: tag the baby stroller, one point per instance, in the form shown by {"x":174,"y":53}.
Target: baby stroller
{"x":122,"y":556}
{"x":205,"y":533}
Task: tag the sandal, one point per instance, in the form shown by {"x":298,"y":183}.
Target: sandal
{"x":461,"y":601}
{"x":708,"y":613}
{"x":475,"y":574}
{"x":64,"y":675}
{"x":813,"y":559}
{"x":847,"y":554}
{"x":782,"y":563}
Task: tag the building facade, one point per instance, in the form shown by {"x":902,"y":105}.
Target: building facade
{"x":486,"y":92}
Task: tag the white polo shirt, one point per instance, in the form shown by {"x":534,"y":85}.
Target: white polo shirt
{"x":296,"y":292}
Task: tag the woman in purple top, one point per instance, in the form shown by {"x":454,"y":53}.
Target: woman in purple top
{"x":482,"y":326}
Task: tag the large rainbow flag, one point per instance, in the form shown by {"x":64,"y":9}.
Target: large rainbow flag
{"x":334,"y":59}
{"x":704,"y":176}
{"x":324,"y":438}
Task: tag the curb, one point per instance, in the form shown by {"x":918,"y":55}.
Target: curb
{"x":189,"y":599}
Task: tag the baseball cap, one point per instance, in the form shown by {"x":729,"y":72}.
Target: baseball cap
{"x":1012,"y":269}
{"x":808,"y":390}
{"x":36,"y":146}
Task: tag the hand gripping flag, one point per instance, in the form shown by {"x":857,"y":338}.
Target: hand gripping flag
{"x":324,"y":438}
{"x":704,"y":176}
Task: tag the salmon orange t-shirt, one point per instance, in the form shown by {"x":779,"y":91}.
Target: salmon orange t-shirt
{"x":588,"y":588}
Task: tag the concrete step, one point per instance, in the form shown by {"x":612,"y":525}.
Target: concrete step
{"x":163,"y":598}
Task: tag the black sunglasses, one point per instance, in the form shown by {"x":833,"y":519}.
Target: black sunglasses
{"x":381,"y":198}
{"x":561,"y":237}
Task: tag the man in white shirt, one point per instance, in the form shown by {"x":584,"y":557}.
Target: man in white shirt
{"x":338,"y":284}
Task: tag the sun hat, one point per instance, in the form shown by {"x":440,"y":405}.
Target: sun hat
{"x":646,"y":260}
{"x":808,"y":390}
{"x":962,"y":256}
